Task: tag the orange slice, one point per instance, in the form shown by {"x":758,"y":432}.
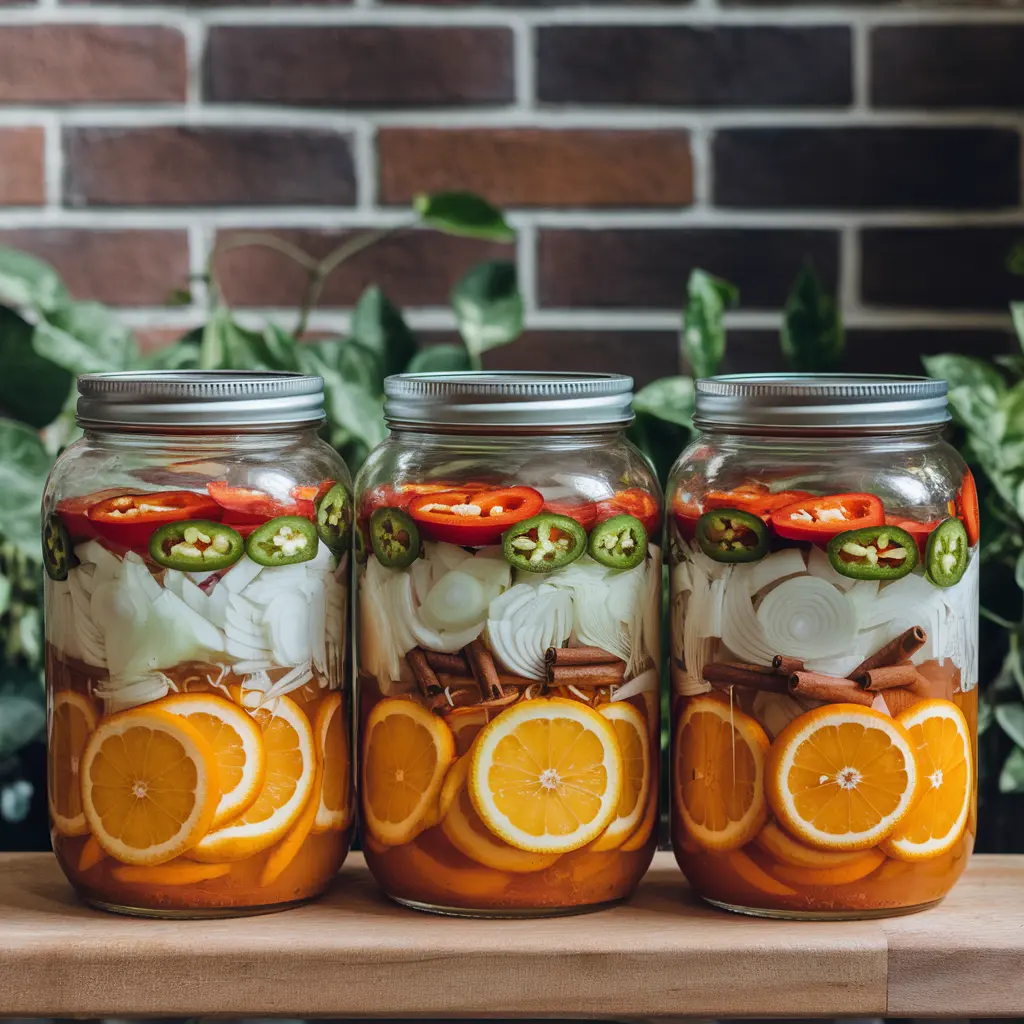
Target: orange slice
{"x":236,"y":741}
{"x":73,"y":720}
{"x":468,"y":834}
{"x":150,"y":786}
{"x":941,"y":739}
{"x":639,"y":838}
{"x":863,"y":864}
{"x":631,"y":731}
{"x":753,"y":874}
{"x":465,"y":724}
{"x":405,"y":756}
{"x":842,"y":777}
{"x":334,"y":809}
{"x":719,"y":762}
{"x":546,"y":775}
{"x":90,"y":855}
{"x":287,"y":850}
{"x":287,"y":783}
{"x":170,"y":874}
{"x":787,"y":850}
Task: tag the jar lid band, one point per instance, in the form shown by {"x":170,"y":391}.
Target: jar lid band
{"x":508,"y":401}
{"x":200,"y":400}
{"x":820,"y":403}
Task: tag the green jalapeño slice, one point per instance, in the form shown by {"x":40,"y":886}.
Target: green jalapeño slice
{"x":729,"y":535}
{"x":873,"y":553}
{"x":619,"y":542}
{"x":283,"y":541}
{"x":58,"y":558}
{"x":196,"y":545}
{"x":334,"y":518}
{"x":543,"y":542}
{"x":947,"y":553}
{"x":394,"y":537}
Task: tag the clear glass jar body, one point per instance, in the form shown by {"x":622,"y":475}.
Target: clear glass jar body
{"x":769,"y":758}
{"x":199,"y":728}
{"x":457,"y":646}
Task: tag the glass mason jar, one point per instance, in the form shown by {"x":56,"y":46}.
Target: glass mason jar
{"x":196,"y":543}
{"x":824,"y":647}
{"x":507,"y":644}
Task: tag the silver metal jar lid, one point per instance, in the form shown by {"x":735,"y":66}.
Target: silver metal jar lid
{"x":821,"y":403}
{"x":508,"y":401}
{"x":199,"y":400}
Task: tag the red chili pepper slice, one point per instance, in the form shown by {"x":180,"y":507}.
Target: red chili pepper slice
{"x":129,"y":520}
{"x":919,"y":531}
{"x":818,"y":519}
{"x":756,"y":502}
{"x":74,"y":512}
{"x":635,"y":502}
{"x":967,"y":508}
{"x":584,"y":512}
{"x":482,"y":518}
{"x":245,"y":504}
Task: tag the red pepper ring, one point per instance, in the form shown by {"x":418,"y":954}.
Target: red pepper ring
{"x":967,"y":508}
{"x":437,"y":520}
{"x":128,"y":520}
{"x":757,"y":503}
{"x":636,"y":502}
{"x":584,"y":512}
{"x":819,"y":519}
{"x":919,"y":531}
{"x":74,"y":512}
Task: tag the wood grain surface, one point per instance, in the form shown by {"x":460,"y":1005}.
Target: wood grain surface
{"x":354,"y":953}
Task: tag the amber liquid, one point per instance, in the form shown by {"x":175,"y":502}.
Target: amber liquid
{"x":237,"y":892}
{"x":430,"y":873}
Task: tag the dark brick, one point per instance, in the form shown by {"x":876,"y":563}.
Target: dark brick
{"x":940,"y":268}
{"x":648,"y":269}
{"x":947,"y":65}
{"x":22,"y":167}
{"x":703,"y":66}
{"x":850,"y":168}
{"x":206,"y":167}
{"x":120,"y":268}
{"x":362,"y":66}
{"x":91,"y":64}
{"x":415,"y":269}
{"x":537,"y":167}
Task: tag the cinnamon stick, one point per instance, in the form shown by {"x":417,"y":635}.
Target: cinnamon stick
{"x":426,"y":679}
{"x":441,"y":662}
{"x":723,"y":674}
{"x":460,"y":682}
{"x":481,"y":663}
{"x":579,"y":656}
{"x":587,"y":676}
{"x":903,"y":648}
{"x":784,"y":665}
{"x":887,"y":678}
{"x":831,"y":689}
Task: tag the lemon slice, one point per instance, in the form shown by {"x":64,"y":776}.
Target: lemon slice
{"x":334,"y":810}
{"x":73,"y":720}
{"x":631,"y":731}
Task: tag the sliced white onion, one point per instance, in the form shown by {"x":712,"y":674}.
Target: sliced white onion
{"x":708,"y":566}
{"x":524,"y":622}
{"x":92,"y":552}
{"x":288,"y":619}
{"x":819,"y":565}
{"x":807,"y":618}
{"x":456,"y":601}
{"x":241,"y":574}
{"x":777,"y":566}
{"x":120,"y":696}
{"x":711,"y":608}
{"x":643,"y":683}
{"x":742,"y":631}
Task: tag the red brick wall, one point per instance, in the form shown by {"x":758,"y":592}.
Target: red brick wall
{"x":630,"y":141}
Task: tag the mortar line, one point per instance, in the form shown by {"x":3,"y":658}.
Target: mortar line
{"x":860,"y":42}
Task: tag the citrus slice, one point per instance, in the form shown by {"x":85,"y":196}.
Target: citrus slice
{"x":841,"y":777}
{"x":631,"y":731}
{"x":468,"y":834}
{"x":334,"y":808}
{"x":719,"y":762}
{"x":787,"y":850}
{"x":90,"y":855}
{"x":286,"y":851}
{"x":941,"y":739}
{"x":287,"y":783}
{"x":150,"y":786}
{"x":753,"y":874}
{"x":169,"y":874}
{"x":405,"y":757}
{"x":863,"y":864}
{"x":650,"y":820}
{"x":465,"y":724}
{"x":73,"y":720}
{"x":546,"y":775}
{"x":236,"y":741}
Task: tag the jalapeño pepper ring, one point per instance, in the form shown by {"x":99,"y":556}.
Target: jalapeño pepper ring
{"x":196,"y":545}
{"x":732,"y":535}
{"x":394,"y":537}
{"x":873,"y":553}
{"x":947,"y":553}
{"x":544,"y":543}
{"x":619,"y":542}
{"x":283,"y":541}
{"x":334,"y":517}
{"x":58,"y":557}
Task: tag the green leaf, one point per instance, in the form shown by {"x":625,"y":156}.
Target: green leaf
{"x":21,"y":720}
{"x":378,"y":326}
{"x":1011,"y":720}
{"x":1015,"y":260}
{"x":812,"y":328}
{"x":985,"y":716}
{"x":669,"y":399}
{"x":33,"y":389}
{"x":85,"y":337}
{"x":226,"y":345}
{"x":1017,"y":312}
{"x":440,"y":359}
{"x":488,"y":307}
{"x":26,"y":281}
{"x":184,"y":354}
{"x":965,"y":371}
{"x":279,"y":349}
{"x":707,"y":299}
{"x":24,"y":465}
{"x":1011,"y":779}
{"x":465,"y":214}
{"x":5,"y":594}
